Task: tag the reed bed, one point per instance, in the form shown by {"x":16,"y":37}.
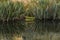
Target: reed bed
{"x":35,"y":8}
{"x":10,"y":11}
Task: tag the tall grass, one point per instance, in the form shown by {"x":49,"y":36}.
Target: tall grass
{"x":9,"y":10}
{"x":44,"y":9}
{"x":37,"y":8}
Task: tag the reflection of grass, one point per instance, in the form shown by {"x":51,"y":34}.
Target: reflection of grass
{"x":17,"y":37}
{"x":46,"y":36}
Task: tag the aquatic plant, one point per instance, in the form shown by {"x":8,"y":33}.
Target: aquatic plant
{"x":9,"y":10}
{"x":35,"y":8}
{"x":43,"y":9}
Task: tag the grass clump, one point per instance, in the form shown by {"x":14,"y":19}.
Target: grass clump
{"x":35,"y":8}
{"x":9,"y":10}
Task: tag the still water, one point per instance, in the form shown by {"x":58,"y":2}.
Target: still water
{"x":30,"y":31}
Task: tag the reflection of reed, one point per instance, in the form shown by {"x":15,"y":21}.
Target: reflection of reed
{"x":34,"y":31}
{"x":17,"y":37}
{"x":11,"y":31}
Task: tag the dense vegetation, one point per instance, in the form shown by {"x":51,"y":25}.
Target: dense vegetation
{"x":36,"y":8}
{"x":10,"y":11}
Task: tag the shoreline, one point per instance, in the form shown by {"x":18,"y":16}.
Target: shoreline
{"x":36,"y":20}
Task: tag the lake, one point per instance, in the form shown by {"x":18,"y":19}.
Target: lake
{"x":36,"y":30}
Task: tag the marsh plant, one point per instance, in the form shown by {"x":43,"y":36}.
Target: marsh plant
{"x":35,"y":8}
{"x":44,"y":9}
{"x":41,"y":9}
{"x":9,"y":10}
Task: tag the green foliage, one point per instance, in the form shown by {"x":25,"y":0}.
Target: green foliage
{"x":44,"y":9}
{"x":9,"y":10}
{"x":37,"y":8}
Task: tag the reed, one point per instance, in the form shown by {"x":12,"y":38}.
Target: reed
{"x":9,"y":10}
{"x":35,"y":8}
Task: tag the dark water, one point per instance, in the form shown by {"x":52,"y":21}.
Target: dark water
{"x":30,"y":31}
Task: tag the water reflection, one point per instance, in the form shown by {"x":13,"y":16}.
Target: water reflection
{"x":9,"y":30}
{"x":30,"y":31}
